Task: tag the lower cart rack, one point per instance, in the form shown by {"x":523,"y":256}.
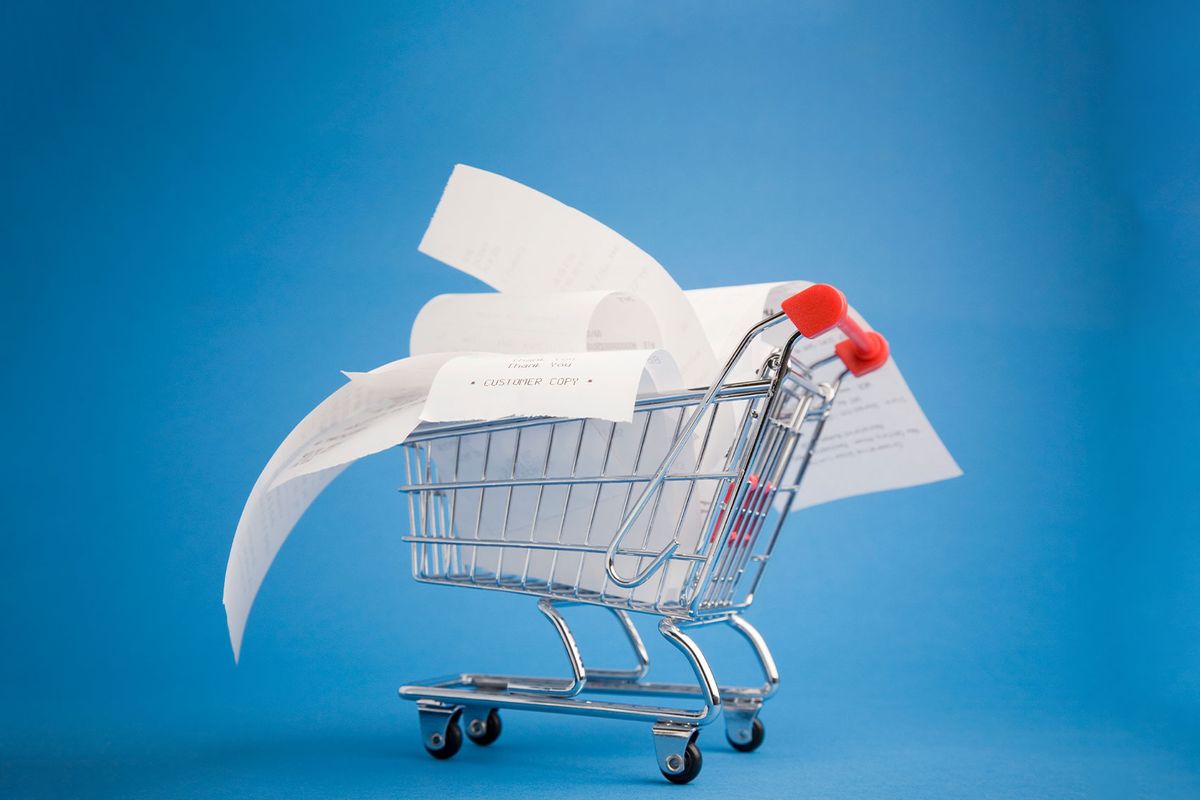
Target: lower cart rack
{"x":475,"y":700}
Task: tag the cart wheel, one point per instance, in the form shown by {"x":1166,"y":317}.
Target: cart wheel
{"x":758,"y":732}
{"x":484,"y":731}
{"x":692,"y":762}
{"x":445,"y":746}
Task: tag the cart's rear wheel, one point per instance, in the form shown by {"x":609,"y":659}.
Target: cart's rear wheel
{"x":692,"y":762}
{"x":758,"y":732}
{"x":485,"y":731}
{"x":443,"y":746}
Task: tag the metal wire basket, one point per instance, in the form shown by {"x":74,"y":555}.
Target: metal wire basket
{"x":675,"y":513}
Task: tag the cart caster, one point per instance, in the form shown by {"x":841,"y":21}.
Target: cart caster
{"x":744,"y":730}
{"x":484,"y":730}
{"x":755,"y":735}
{"x":691,"y":760}
{"x":445,"y":745}
{"x":440,"y":731}
{"x":678,"y":755}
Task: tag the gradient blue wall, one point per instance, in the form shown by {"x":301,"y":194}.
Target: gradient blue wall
{"x":1153,"y":127}
{"x":209,"y":211}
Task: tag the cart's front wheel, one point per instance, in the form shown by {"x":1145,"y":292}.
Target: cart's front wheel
{"x":758,"y":732}
{"x":692,"y":762}
{"x":486,"y":730}
{"x":445,"y":745}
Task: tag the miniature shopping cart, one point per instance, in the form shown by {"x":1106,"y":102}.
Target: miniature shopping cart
{"x":675,"y":514}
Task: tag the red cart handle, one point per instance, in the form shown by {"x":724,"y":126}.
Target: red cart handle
{"x":821,"y":308}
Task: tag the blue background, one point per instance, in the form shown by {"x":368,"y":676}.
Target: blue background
{"x":209,"y":211}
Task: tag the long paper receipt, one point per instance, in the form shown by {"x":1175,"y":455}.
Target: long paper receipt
{"x":379,"y":409}
{"x":584,"y":322}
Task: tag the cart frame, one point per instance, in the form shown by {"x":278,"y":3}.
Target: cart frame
{"x":773,"y":440}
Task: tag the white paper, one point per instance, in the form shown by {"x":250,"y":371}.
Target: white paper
{"x":392,"y":397}
{"x":727,"y":312}
{"x":284,"y":491}
{"x":377,"y":410}
{"x":521,"y":322}
{"x":598,"y":386}
{"x":517,"y":239}
{"x":877,"y":437}
{"x":601,"y":385}
{"x":582,"y":514}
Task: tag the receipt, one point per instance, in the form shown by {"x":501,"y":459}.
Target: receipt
{"x":305,"y":463}
{"x":601,"y":388}
{"x":392,"y":397}
{"x":377,"y":410}
{"x":599,"y":385}
{"x":517,"y":239}
{"x":576,"y":384}
{"x":877,"y":437}
{"x":727,"y":312}
{"x":519,"y":322}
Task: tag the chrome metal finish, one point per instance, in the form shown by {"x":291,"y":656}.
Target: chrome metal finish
{"x":435,"y":719}
{"x":664,"y":515}
{"x":556,"y":694}
{"x":578,"y":673}
{"x":670,"y":741}
{"x":477,"y":721}
{"x":739,"y":719}
{"x":681,"y":441}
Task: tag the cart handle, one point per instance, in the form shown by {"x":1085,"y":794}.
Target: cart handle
{"x":819,"y":309}
{"x":814,"y":311}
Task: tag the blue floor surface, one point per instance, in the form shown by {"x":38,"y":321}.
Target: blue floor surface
{"x":822,"y":756}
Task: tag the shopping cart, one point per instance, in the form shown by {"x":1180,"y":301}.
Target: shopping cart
{"x":675,"y":514}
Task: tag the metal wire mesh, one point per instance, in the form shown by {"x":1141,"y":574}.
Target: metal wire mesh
{"x":531,"y":505}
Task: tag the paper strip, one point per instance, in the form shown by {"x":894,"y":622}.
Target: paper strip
{"x":518,"y":322}
{"x":517,"y":239}
{"x":274,"y":506}
{"x":600,"y":385}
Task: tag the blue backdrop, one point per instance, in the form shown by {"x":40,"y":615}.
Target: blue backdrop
{"x":208,"y":211}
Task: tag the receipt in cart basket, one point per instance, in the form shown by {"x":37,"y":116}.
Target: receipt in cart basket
{"x":541,"y":322}
{"x":595,"y":385}
{"x":877,"y":437}
{"x":727,"y":312}
{"x":377,"y":410}
{"x":517,"y":239}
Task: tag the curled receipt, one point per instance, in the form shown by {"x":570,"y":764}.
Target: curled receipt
{"x":541,"y":322}
{"x":304,"y":464}
{"x":517,"y":239}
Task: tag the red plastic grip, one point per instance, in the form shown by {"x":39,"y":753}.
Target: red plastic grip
{"x":821,"y":308}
